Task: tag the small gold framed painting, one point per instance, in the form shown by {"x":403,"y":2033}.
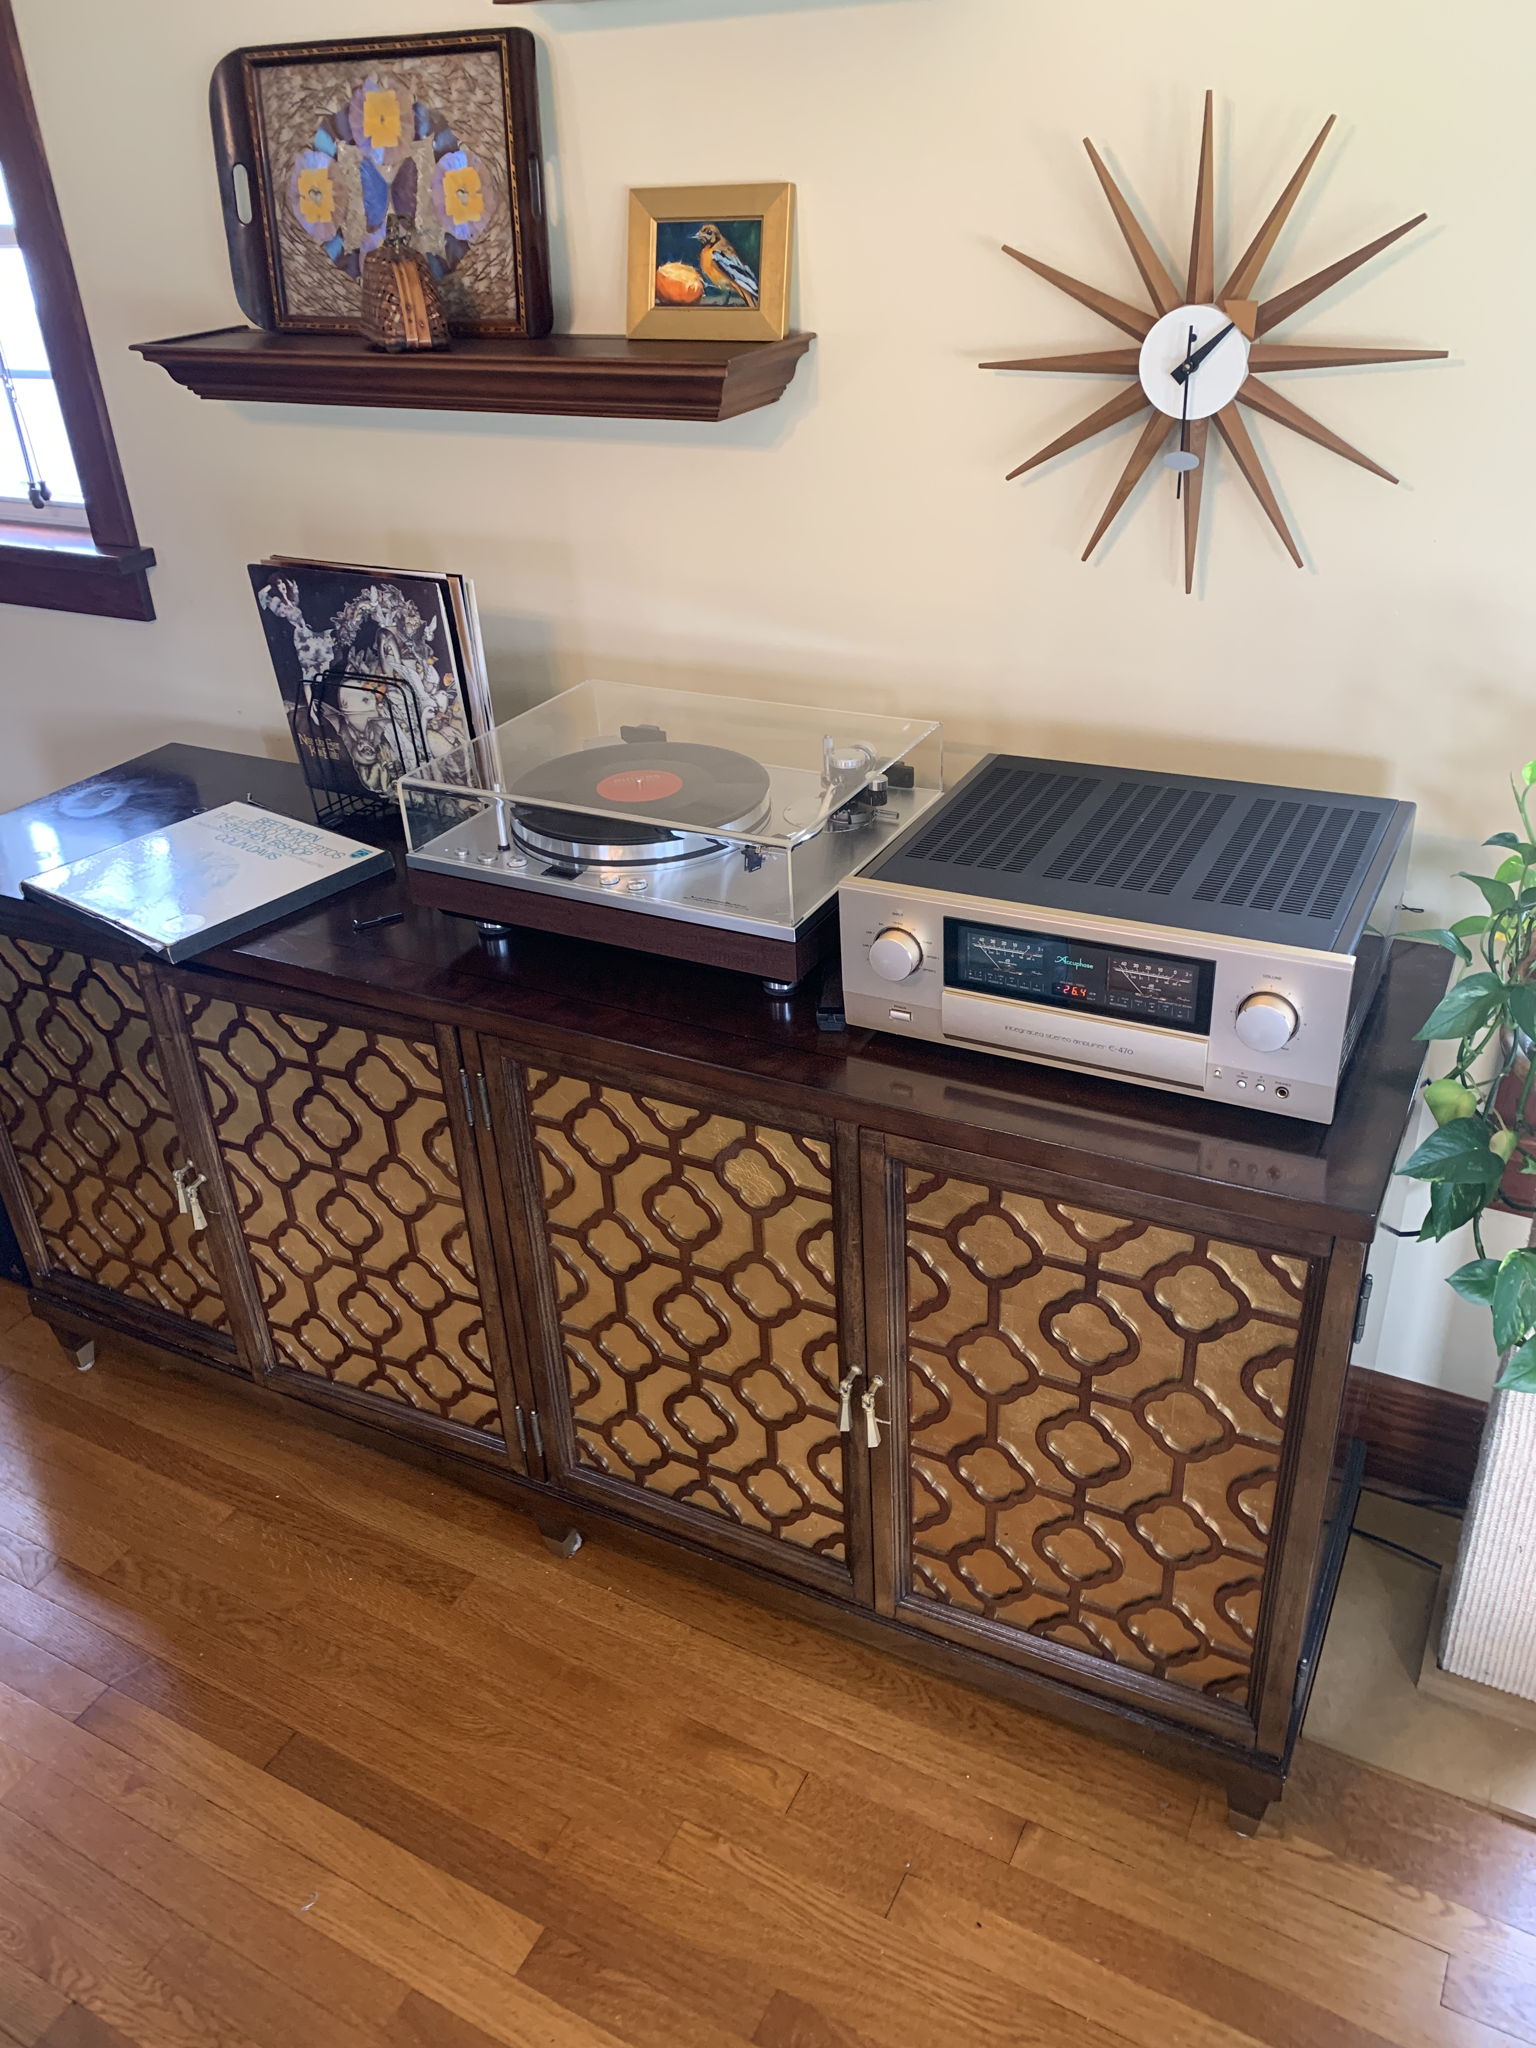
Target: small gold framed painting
{"x":710,"y":262}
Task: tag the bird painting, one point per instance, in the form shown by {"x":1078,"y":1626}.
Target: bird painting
{"x":724,"y":269}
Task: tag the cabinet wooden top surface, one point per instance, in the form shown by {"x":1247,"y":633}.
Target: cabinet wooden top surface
{"x":718,"y":1033}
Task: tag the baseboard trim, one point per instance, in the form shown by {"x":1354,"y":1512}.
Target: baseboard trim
{"x":1422,"y":1439}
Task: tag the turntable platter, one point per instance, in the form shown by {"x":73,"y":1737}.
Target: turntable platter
{"x":689,"y":787}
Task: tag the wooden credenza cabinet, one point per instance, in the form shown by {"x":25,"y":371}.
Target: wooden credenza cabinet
{"x":1029,"y":1378}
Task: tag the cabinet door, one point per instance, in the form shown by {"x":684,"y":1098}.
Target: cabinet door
{"x":1091,"y":1421}
{"x":693,"y":1329}
{"x":93,"y":1148}
{"x":363,"y":1227}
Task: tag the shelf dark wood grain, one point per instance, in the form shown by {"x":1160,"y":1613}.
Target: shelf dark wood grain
{"x":591,"y":375}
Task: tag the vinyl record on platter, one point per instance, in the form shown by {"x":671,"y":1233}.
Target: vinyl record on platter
{"x":700,"y":789}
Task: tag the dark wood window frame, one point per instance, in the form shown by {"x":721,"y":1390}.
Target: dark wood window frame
{"x":58,"y":569}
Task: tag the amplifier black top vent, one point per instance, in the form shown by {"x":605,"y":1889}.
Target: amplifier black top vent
{"x":1187,"y":851}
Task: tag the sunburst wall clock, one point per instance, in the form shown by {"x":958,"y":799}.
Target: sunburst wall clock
{"x":1202,"y":355}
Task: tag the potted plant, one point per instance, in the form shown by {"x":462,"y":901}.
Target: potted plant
{"x":1479,"y":1154}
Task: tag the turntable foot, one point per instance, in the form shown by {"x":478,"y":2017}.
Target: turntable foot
{"x":488,"y":930}
{"x":779,"y":988}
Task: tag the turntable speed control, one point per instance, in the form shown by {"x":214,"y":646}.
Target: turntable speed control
{"x":1265,"y":1022}
{"x":895,"y":955}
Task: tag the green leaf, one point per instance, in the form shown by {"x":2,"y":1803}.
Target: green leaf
{"x":1511,"y":870}
{"x":1514,"y":1300}
{"x":1464,"y":1009}
{"x":1449,"y":1099}
{"x":1496,"y":894}
{"x":1504,"y":1143}
{"x":1471,"y":927}
{"x":1452,"y":1203}
{"x":1519,"y":1374}
{"x":1456,"y":1151}
{"x":1450,"y":940}
{"x":1528,"y":773}
{"x":1506,"y":839}
{"x":1474,"y":1281}
{"x":1522,"y":1007}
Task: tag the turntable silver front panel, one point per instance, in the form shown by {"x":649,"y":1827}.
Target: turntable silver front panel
{"x":721,"y":889}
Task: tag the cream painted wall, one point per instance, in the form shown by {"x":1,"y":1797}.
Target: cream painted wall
{"x":857,"y":542}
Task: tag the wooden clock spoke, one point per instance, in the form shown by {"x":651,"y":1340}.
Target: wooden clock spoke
{"x":1202,"y":247}
{"x":1194,"y":483}
{"x":1117,"y":312}
{"x":1253,"y":259}
{"x":1123,"y":406}
{"x":1262,"y":398}
{"x":1102,"y":362}
{"x":1288,"y":303}
{"x":1153,"y":435}
{"x":1164,"y":292}
{"x":1233,"y":429}
{"x":1302,"y":355}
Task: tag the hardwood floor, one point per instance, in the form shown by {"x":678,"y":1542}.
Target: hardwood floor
{"x":303,"y":1748}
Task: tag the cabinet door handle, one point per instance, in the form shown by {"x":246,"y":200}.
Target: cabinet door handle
{"x":538,"y":1434}
{"x":469,"y":1100}
{"x":522,"y":1433}
{"x":845,"y":1387}
{"x":485,"y":1101}
{"x":187,"y":1180}
{"x":873,"y":1423}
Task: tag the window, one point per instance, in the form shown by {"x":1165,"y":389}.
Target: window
{"x":67,"y":537}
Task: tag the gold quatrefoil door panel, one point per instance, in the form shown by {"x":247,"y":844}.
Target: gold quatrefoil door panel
{"x":339,"y":1153}
{"x":93,"y":1145}
{"x":690,"y":1265}
{"x":1096,"y":1412}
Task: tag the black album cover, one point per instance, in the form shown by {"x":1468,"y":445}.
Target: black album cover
{"x":374,"y":679}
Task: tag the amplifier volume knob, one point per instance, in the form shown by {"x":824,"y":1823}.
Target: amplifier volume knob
{"x":895,"y":955}
{"x":1265,"y":1022}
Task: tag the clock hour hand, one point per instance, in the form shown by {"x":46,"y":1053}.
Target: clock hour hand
{"x":1192,"y":362}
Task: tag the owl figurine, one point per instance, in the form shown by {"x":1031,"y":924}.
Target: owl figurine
{"x":402,"y":307}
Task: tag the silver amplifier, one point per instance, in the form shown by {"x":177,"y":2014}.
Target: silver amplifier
{"x":1223,"y":940}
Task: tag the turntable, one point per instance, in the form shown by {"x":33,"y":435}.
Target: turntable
{"x":705,"y":828}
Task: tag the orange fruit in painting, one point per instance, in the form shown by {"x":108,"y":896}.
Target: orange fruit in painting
{"x":678,"y":284}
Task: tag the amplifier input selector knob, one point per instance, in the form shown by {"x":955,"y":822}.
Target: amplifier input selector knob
{"x":1265,"y":1022}
{"x":895,"y":955}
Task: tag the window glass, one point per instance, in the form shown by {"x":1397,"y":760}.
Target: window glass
{"x":30,"y":405}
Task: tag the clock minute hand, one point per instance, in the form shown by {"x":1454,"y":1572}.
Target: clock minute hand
{"x":1192,"y":362}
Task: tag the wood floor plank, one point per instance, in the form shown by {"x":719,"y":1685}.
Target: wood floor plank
{"x":1148,"y":1991}
{"x":243,"y":1728}
{"x":77,"y":2028}
{"x":604,"y":1986}
{"x":205,"y":1900}
{"x":28,"y":2006}
{"x":253,"y":2000}
{"x":540,"y":1890}
{"x":856,"y":1967}
{"x":45,"y":1526}
{"x":1322,"y":1952}
{"x":23,"y":1560}
{"x":452,"y":1907}
{"x":53,"y":1683}
{"x":790,"y":2023}
{"x":1488,"y":1995}
{"x":29,"y":1612}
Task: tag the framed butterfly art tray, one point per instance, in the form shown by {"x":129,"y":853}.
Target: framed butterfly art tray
{"x":319,"y":145}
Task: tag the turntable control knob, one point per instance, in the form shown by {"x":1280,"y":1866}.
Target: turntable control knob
{"x":1266,"y":1021}
{"x":895,"y":955}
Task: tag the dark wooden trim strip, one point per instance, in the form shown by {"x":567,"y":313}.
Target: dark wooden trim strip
{"x":59,"y":580}
{"x":1422,"y":1439}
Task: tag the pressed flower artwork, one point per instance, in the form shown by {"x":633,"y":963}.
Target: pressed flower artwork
{"x":423,"y":130}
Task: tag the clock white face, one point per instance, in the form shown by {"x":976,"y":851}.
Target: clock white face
{"x":1214,"y":382}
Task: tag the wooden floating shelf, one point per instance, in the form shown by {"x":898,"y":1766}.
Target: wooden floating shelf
{"x":587,"y":375}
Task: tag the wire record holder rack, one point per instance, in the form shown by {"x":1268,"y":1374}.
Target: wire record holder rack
{"x":351,"y":761}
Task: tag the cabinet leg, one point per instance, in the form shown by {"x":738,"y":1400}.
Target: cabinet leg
{"x":1246,"y":1809}
{"x":560,"y":1539}
{"x":81,"y":1349}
